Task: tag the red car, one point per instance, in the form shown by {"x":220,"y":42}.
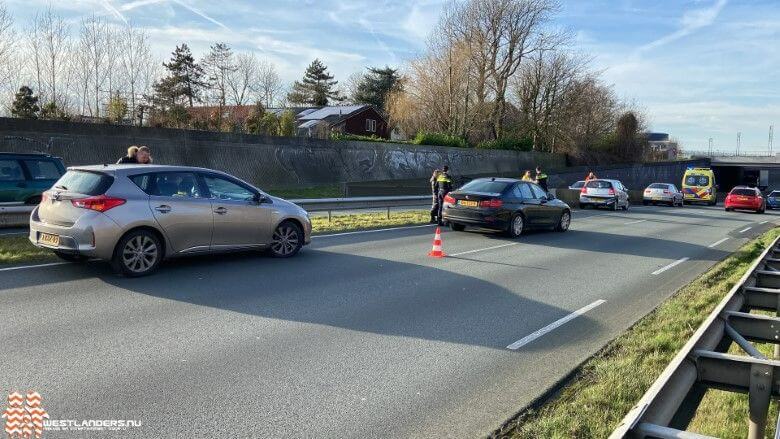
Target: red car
{"x":745,"y":198}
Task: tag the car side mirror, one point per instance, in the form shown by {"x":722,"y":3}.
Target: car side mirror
{"x":260,"y":198}
{"x":550,"y":196}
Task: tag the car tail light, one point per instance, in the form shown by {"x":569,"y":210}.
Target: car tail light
{"x":492,"y":203}
{"x":647,"y":191}
{"x":449,"y":199}
{"x":44,"y":198}
{"x":100,"y":203}
{"x":667,"y":192}
{"x":612,"y":191}
{"x":584,"y":190}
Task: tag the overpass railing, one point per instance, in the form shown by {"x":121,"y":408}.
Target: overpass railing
{"x":671,"y":402}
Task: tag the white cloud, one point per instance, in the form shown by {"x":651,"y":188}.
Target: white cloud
{"x":690,"y":22}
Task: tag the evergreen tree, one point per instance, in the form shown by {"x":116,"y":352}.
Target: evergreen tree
{"x":316,"y":88}
{"x":25,"y":105}
{"x":117,"y":108}
{"x":374,"y":87}
{"x":185,"y":78}
{"x":287,"y":124}
{"x":254,"y":121}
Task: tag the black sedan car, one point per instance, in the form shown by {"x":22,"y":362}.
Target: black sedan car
{"x":505,"y":204}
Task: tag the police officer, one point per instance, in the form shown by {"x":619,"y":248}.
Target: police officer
{"x":445,"y":186}
{"x":541,"y":178}
{"x":435,"y":194}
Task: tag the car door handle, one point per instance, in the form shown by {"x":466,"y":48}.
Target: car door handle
{"x":220,"y":210}
{"x":163,"y":208}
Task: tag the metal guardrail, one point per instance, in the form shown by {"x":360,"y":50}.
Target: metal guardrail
{"x":671,"y":402}
{"x":14,"y":216}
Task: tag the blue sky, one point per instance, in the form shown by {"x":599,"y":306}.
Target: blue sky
{"x":699,"y":68}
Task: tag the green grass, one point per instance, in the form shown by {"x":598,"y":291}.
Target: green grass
{"x":608,"y":385}
{"x":18,"y":250}
{"x":329,"y":191}
{"x":340,"y":223}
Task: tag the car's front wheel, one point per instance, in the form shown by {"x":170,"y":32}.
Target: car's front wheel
{"x":287,"y":240}
{"x":138,"y":253}
{"x":457,"y":227}
{"x":564,"y":223}
{"x":517,"y":226}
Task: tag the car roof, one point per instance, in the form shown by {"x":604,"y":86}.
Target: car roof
{"x":499,"y":179}
{"x":129,"y":169}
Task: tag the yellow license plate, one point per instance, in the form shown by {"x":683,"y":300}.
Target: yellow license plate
{"x":742,"y":198}
{"x":48,"y":239}
{"x":467,"y":203}
{"x":657,"y":198}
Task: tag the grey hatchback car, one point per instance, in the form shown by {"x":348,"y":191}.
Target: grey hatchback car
{"x":136,"y":215}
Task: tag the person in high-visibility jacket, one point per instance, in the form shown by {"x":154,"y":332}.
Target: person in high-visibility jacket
{"x":527,"y":177}
{"x":435,"y":194}
{"x":541,"y":178}
{"x":445,"y":186}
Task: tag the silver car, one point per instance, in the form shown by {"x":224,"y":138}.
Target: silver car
{"x":665,"y":193}
{"x":136,"y":215}
{"x":604,"y":193}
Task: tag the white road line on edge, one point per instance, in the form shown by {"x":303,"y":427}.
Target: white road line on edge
{"x":635,"y":222}
{"x":358,"y":232}
{"x":24,"y":267}
{"x":672,"y":265}
{"x":745,"y":229}
{"x":763,"y":222}
{"x":717,"y":243}
{"x":483,"y":249}
{"x":560,"y":322}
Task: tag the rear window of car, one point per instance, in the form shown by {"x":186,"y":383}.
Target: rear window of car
{"x":748,"y":192}
{"x":10,"y":170}
{"x":487,"y":186}
{"x":84,"y":182}
{"x":658,"y":186}
{"x":578,"y":184}
{"x":697,"y":180}
{"x":598,"y":184}
{"x":43,"y":169}
{"x":774,"y":194}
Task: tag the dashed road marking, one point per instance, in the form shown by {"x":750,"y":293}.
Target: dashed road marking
{"x":745,"y":229}
{"x":717,"y":243}
{"x":552,"y":326}
{"x":672,"y":265}
{"x":635,"y":222}
{"x":483,"y":249}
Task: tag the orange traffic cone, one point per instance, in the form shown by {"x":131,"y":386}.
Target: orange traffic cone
{"x":436,"y":252}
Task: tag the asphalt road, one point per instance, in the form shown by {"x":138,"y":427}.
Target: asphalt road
{"x":361,"y":335}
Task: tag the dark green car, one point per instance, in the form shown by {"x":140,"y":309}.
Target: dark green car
{"x":23,"y":177}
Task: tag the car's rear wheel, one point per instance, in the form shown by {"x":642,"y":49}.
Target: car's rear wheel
{"x":137,"y":254}
{"x":70,"y":257}
{"x":564,"y":223}
{"x":517,"y":226}
{"x":287,"y":240}
{"x":457,"y":227}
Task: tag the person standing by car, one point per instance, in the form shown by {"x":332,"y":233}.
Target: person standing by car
{"x":435,"y":194}
{"x":541,"y":179}
{"x":445,"y":186}
{"x":527,"y":177}
{"x":144,"y":156}
{"x":591,"y":176}
{"x":130,"y":158}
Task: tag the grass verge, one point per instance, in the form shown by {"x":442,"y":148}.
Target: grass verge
{"x":16,"y":250}
{"x":329,"y":191}
{"x":607,"y":386}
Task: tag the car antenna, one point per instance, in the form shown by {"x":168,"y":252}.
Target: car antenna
{"x":493,"y":179}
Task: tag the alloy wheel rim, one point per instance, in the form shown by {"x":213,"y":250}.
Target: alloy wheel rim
{"x":565,"y":221}
{"x":140,"y":254}
{"x":285,"y":240}
{"x":517,"y":225}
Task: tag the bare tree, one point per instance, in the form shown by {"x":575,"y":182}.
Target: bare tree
{"x":218,"y":65}
{"x":8,"y":42}
{"x":241,"y":79}
{"x":50,"y":41}
{"x":268,"y":84}
{"x":136,"y":60}
{"x":94,"y":44}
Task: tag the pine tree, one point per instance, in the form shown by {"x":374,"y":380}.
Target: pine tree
{"x":218,"y":65}
{"x":25,"y":105}
{"x":185,"y":79}
{"x":316,"y":88}
{"x":374,"y":87}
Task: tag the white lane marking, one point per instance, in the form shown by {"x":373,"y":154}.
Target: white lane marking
{"x":24,"y":267}
{"x":635,"y":222}
{"x":717,"y":243}
{"x":763,"y":222}
{"x":672,"y":265}
{"x":484,"y":249}
{"x":745,"y":229}
{"x":358,"y":232}
{"x":560,"y":322}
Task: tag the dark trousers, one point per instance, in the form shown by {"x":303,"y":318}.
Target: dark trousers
{"x":440,"y":205}
{"x":435,"y":207}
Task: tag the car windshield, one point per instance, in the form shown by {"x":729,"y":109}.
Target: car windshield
{"x":84,"y":182}
{"x":658,"y":186}
{"x":697,"y":180}
{"x":599,"y":184}
{"x":746,"y":192}
{"x":486,"y":186}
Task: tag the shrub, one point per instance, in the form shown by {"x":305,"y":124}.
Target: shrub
{"x":372,"y":138}
{"x":511,"y":143}
{"x":439,"y":139}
